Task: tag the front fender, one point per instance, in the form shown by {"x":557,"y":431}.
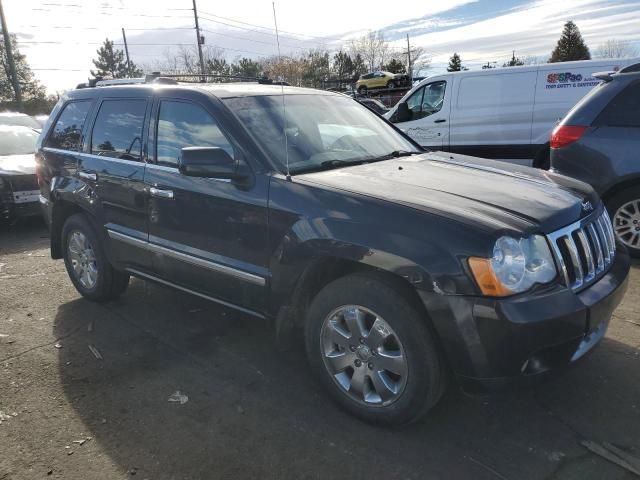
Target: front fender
{"x":428,"y":251}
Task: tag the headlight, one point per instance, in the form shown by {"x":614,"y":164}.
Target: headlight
{"x":516,"y":265}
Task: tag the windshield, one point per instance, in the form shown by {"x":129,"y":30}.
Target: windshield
{"x":17,"y":140}
{"x":323,"y":131}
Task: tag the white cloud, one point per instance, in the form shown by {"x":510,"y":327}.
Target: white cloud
{"x":531,"y":30}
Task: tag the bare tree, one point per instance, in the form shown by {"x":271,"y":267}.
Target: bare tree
{"x":614,"y":48}
{"x":420,"y":60}
{"x":532,"y":60}
{"x":373,"y":49}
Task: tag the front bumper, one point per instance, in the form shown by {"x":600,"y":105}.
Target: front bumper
{"x":20,"y":204}
{"x":494,"y":342}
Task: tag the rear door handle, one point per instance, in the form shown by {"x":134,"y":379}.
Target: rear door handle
{"x":88,"y":175}
{"x":156,"y":192}
{"x":440,"y":120}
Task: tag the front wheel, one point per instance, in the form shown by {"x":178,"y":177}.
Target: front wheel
{"x":87,"y":264}
{"x":362,"y":90}
{"x":373,"y":350}
{"x":624,"y":209}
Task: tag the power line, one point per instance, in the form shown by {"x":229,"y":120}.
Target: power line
{"x":268,"y":28}
{"x":73,"y":27}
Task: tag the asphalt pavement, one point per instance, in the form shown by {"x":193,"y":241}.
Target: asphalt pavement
{"x":85,"y":388}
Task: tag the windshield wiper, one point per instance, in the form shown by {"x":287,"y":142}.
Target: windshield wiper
{"x":329,"y":164}
{"x":341,"y":163}
{"x":394,"y":154}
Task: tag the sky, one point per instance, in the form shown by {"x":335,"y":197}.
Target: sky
{"x":60,"y":37}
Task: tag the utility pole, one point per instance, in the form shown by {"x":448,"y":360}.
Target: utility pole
{"x":126,"y":51}
{"x":409,"y":69}
{"x":12,"y":66}
{"x":199,"y":39}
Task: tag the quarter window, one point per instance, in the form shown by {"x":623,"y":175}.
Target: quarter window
{"x":624,"y":109}
{"x":117,"y":132}
{"x":67,"y":132}
{"x":182,"y":124}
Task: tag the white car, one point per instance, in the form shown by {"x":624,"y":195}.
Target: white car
{"x":19,"y":191}
{"x":16,"y":119}
{"x":502,"y":113}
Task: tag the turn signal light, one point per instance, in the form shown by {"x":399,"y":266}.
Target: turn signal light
{"x":486,"y":278}
{"x":564,"y":135}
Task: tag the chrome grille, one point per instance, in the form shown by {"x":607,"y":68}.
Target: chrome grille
{"x":584,"y":250}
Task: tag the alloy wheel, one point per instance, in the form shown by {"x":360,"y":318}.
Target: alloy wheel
{"x":363,"y":355}
{"x":626,"y":223}
{"x":83,"y":259}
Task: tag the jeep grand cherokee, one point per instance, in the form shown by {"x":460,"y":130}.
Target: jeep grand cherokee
{"x":401,"y":266}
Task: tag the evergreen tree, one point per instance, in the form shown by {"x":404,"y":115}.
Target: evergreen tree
{"x":571,"y":46}
{"x":342,"y":65}
{"x":359,"y":66}
{"x":34,"y":96}
{"x":111,"y":63}
{"x":514,"y":62}
{"x":245,"y":67}
{"x":394,"y":66}
{"x":455,"y":63}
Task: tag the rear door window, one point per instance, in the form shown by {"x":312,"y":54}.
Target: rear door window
{"x":184,"y":124}
{"x":117,"y":131}
{"x":624,"y":109}
{"x":66,"y":134}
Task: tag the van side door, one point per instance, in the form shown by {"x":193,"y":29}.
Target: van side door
{"x":492,"y":115}
{"x":428,"y":123}
{"x":207,"y":235}
{"x":112,"y":169}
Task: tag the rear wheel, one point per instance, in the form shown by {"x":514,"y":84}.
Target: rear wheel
{"x":87,"y":265}
{"x":390,"y":84}
{"x":624,"y":209}
{"x":362,"y":90}
{"x":373,"y":351}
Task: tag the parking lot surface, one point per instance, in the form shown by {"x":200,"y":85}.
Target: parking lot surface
{"x":84,"y":392}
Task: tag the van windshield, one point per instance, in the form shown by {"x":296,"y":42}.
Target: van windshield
{"x":322,"y":131}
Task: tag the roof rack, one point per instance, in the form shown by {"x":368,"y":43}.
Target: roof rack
{"x":174,"y":78}
{"x":606,"y":76}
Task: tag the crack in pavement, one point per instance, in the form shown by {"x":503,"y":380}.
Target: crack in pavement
{"x":36,"y":347}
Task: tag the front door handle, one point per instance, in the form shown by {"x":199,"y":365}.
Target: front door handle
{"x":440,"y":120}
{"x":156,"y":192}
{"x":88,"y":175}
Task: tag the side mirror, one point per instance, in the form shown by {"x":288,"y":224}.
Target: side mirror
{"x":208,"y":162}
{"x":402,"y":114}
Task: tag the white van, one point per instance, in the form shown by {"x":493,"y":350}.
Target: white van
{"x":501,"y":113}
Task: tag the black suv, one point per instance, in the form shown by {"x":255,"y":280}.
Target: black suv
{"x":306,"y":208}
{"x":598,"y":142}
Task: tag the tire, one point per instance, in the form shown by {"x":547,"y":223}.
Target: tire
{"x":414,"y":388}
{"x":624,"y":209}
{"x":390,"y":84}
{"x":102,"y":282}
{"x":362,"y":90}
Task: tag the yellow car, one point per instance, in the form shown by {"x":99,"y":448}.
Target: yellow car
{"x":380,"y":79}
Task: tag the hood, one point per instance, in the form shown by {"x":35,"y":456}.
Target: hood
{"x":17,"y":164}
{"x":487,"y":193}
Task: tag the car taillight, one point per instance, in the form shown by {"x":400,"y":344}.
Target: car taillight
{"x":564,"y":135}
